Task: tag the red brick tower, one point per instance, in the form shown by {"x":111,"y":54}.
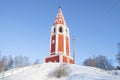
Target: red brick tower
{"x":59,"y":41}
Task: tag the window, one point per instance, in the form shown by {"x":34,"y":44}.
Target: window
{"x":54,"y":30}
{"x":60,"y":30}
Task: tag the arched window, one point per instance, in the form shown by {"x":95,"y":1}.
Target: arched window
{"x":54,"y":31}
{"x":60,"y":30}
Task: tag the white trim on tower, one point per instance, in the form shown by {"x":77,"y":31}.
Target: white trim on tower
{"x":69,"y":42}
{"x":56,"y":46}
{"x":50,"y":43}
{"x":65,"y":40}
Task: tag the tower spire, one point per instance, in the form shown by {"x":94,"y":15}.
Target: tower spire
{"x":59,"y":7}
{"x":59,"y":18}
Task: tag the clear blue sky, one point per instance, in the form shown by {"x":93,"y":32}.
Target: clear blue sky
{"x":25,"y":27}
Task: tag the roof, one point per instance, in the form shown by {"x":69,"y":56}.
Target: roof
{"x":59,"y":18}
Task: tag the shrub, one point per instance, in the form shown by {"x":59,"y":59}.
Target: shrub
{"x":61,"y":71}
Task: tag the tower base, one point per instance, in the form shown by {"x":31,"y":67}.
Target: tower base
{"x":59,"y":58}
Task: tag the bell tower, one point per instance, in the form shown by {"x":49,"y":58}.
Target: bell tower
{"x":59,"y":41}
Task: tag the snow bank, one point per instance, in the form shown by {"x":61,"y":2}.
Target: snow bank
{"x":12,"y":72}
{"x":90,"y":73}
{"x":43,"y":72}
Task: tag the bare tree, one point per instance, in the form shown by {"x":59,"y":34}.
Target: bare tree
{"x":99,"y":62}
{"x":25,"y":61}
{"x":103,"y":63}
{"x":9,"y":63}
{"x":118,"y":57}
{"x":18,"y":61}
{"x":21,"y":61}
{"x":90,"y":62}
{"x":61,"y":71}
{"x":3,"y":64}
{"x":36,"y":61}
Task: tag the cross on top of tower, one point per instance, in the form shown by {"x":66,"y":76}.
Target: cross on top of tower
{"x":59,"y":18}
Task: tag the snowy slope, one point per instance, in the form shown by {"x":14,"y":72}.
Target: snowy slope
{"x":46,"y":72}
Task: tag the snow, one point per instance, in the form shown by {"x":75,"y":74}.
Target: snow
{"x":45,"y":70}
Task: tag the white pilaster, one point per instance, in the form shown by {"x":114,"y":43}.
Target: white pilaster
{"x":64,"y":38}
{"x":50,"y":41}
{"x":56,"y":46}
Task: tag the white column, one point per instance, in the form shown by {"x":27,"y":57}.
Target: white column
{"x":56,"y":44}
{"x":50,"y":40}
{"x":64,"y":40}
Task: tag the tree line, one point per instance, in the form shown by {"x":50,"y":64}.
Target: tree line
{"x":102,"y":62}
{"x":9,"y":62}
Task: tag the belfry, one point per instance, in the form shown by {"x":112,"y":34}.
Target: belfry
{"x":59,"y":41}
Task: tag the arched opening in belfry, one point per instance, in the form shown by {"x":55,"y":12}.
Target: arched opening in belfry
{"x":60,"y":30}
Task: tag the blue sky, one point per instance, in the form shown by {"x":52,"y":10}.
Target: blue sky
{"x":25,"y":27}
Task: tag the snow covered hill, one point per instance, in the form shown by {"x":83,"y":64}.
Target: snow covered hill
{"x":57,"y":71}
